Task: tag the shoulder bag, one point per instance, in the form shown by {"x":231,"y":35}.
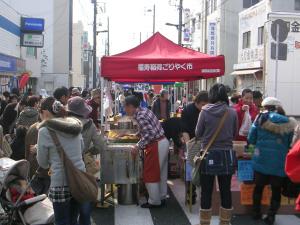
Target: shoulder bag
{"x":202,"y":154}
{"x":83,"y":186}
{"x":92,"y":167}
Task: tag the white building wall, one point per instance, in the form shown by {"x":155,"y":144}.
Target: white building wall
{"x":288,"y":81}
{"x":77,"y":76}
{"x":9,"y":43}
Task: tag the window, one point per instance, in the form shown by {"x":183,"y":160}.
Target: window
{"x":215,"y":5}
{"x":297,"y":4}
{"x":260,"y":39}
{"x":211,"y":6}
{"x":193,"y":25}
{"x":31,"y":52}
{"x":246,"y":39}
{"x":249,"y":3}
{"x":199,"y":22}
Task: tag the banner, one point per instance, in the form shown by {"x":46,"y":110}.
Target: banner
{"x":212,"y":38}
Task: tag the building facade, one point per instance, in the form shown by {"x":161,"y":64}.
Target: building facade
{"x":249,"y":71}
{"x":78,"y":79}
{"x":11,"y":63}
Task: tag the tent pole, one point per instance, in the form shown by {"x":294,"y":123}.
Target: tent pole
{"x":102,"y":101}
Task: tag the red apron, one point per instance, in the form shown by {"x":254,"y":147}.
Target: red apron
{"x":151,"y":163}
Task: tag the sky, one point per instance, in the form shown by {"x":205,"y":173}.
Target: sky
{"x":127,"y":19}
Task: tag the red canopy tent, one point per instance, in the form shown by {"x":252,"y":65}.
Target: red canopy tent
{"x":160,"y":60}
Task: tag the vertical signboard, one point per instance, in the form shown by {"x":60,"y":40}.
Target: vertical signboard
{"x":85,"y":46}
{"x":212,"y":38}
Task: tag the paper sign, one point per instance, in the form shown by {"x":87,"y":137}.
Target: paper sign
{"x":245,"y":170}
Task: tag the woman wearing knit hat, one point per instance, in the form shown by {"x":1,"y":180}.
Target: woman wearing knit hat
{"x":272,"y":134}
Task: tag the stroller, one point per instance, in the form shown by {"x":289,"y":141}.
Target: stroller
{"x":34,"y":211}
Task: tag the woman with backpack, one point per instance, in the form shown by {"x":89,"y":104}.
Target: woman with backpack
{"x":68,"y":131}
{"x":272,"y":134}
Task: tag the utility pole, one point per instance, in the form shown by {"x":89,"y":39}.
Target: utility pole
{"x":154,"y":15}
{"x":180,"y":22}
{"x":70,"y":36}
{"x":108,"y":37}
{"x":95,"y":45}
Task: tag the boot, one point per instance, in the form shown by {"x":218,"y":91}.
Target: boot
{"x":256,"y":209}
{"x":225,"y":216}
{"x":270,"y":218}
{"x":205,"y":216}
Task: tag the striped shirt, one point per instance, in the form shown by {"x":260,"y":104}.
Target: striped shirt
{"x":149,"y":126}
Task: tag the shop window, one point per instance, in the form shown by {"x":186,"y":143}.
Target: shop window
{"x":260,"y":40}
{"x":246,"y":39}
{"x":31,"y":52}
{"x":297,"y":4}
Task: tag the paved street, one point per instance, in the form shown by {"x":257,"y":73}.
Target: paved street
{"x":176,"y":213}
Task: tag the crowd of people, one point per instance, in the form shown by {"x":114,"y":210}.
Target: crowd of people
{"x":27,"y":122}
{"x":258,"y":122}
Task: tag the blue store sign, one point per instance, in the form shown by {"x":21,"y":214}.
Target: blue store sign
{"x":32,"y":24}
{"x":8,"y":64}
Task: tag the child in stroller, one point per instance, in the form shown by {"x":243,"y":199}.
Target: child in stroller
{"x":19,"y":186}
{"x":18,"y":199}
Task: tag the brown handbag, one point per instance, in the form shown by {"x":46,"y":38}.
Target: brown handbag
{"x":83,"y":186}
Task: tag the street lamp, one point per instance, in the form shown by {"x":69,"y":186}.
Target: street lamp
{"x":180,"y":25}
{"x":173,"y":25}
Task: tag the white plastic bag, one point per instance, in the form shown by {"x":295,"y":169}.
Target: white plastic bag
{"x":246,"y":125}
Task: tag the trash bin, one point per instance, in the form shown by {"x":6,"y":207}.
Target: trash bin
{"x":127,"y":194}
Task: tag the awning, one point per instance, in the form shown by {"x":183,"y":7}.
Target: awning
{"x":160,"y":60}
{"x":245,"y":72}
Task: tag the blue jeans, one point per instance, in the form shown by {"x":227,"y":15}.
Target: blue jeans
{"x":85,"y":214}
{"x":66,"y":213}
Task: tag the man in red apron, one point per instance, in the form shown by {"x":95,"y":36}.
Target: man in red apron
{"x":155,"y":147}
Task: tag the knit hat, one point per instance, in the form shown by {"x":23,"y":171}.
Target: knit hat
{"x":95,"y":92}
{"x":78,"y":106}
{"x":271,"y":101}
{"x":75,"y":91}
{"x":28,"y":117}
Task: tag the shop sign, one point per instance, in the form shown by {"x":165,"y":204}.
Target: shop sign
{"x":141,"y":87}
{"x":165,"y":67}
{"x":212,"y":38}
{"x":186,"y":35}
{"x":295,"y":27}
{"x":32,"y":24}
{"x":7,"y":64}
{"x":252,"y":55}
{"x":32,"y":40}
{"x":249,"y":65}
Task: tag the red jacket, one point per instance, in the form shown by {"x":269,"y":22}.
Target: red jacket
{"x":292,"y":167}
{"x":15,"y":195}
{"x":254,"y":111}
{"x":95,"y":112}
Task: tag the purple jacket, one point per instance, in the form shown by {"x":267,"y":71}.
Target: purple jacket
{"x":208,"y":122}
